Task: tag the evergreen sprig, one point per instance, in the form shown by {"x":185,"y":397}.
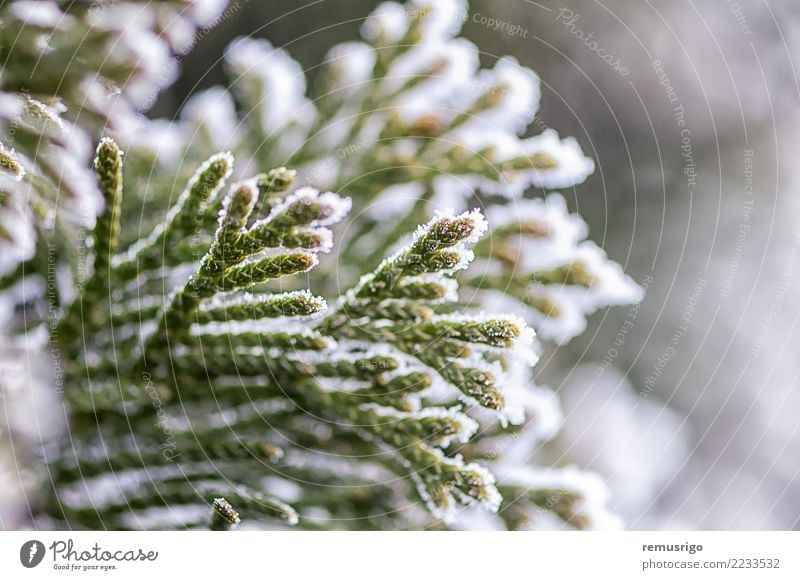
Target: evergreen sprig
{"x":366,"y":376}
{"x":205,"y":384}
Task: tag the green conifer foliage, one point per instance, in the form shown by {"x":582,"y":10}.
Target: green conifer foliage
{"x":281,"y":324}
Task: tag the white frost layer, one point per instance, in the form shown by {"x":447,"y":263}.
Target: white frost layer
{"x":589,"y":486}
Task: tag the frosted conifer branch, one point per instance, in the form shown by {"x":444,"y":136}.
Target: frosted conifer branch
{"x":232,"y":261}
{"x":444,"y":343}
{"x":203,"y":319}
{"x":538,"y":255}
{"x":77,"y":72}
{"x":270,"y":186}
{"x":254,"y":307}
{"x":108,"y":165}
{"x":259,"y":506}
{"x":439,"y":247}
{"x":299,"y":221}
{"x":224,"y":516}
{"x":204,"y":185}
{"x":9,"y":163}
{"x":574,"y":499}
{"x":108,"y":169}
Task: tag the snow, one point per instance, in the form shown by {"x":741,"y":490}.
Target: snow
{"x":15,"y":169}
{"x":394,"y":201}
{"x":444,"y":18}
{"x":636,"y":443}
{"x":387,"y":22}
{"x":41,"y":14}
{"x":572,"y":166}
{"x":561,"y":230}
{"x":337,"y":207}
{"x":439,"y":20}
{"x":220,"y":301}
{"x":437,"y":69}
{"x":206,"y":12}
{"x":449,"y":513}
{"x":17,"y":223}
{"x":282,"y":488}
{"x":468,"y":425}
{"x":562,"y":244}
{"x":589,"y":486}
{"x":51,"y":112}
{"x":517,"y":94}
{"x":500,"y":147}
{"x":281,"y":83}
{"x":612,"y":286}
{"x":214,"y":111}
{"x":352,"y":64}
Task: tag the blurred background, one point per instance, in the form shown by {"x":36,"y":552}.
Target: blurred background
{"x":688,"y":403}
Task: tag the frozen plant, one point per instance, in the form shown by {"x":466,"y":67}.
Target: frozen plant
{"x":207,"y":385}
{"x":71,"y":69}
{"x":405,"y":122}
